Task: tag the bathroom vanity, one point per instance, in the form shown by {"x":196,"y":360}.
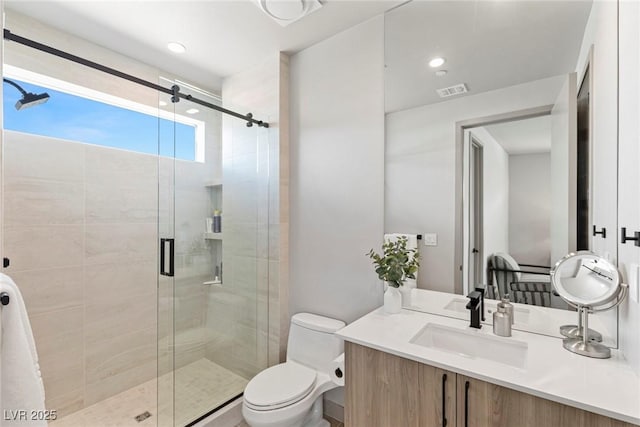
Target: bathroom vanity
{"x":419,"y":369}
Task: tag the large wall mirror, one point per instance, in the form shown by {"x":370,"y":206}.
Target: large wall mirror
{"x":501,"y":141}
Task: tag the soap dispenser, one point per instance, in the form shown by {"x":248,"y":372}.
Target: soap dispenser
{"x":502,"y":321}
{"x":508,"y":307}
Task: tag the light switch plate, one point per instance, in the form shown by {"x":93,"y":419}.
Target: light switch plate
{"x":634,"y":282}
{"x":430,"y":239}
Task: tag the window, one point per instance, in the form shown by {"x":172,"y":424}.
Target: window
{"x":73,"y":117}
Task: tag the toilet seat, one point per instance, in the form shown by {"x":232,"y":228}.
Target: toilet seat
{"x":279,"y":386}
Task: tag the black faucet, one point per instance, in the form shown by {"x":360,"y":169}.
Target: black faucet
{"x":481,"y":289}
{"x":474,"y":306}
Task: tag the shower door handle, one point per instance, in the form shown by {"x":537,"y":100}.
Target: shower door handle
{"x":163,"y":259}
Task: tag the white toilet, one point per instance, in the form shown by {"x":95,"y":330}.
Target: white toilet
{"x":290,"y":394}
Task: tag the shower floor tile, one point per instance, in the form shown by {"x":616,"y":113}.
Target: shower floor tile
{"x":199,"y":387}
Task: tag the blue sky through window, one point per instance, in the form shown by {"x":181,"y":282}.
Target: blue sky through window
{"x":80,"y":119}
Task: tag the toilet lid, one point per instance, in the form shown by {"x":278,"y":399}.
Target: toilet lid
{"x":280,"y":385}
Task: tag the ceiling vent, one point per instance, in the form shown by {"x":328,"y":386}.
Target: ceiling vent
{"x":286,"y":12}
{"x":452,"y":90}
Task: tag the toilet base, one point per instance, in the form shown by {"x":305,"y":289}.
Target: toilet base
{"x":314,"y":419}
{"x":310,"y":418}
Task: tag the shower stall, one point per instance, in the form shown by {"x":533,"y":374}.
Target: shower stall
{"x":135,"y":221}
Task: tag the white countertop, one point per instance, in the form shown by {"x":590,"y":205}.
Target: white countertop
{"x":529,"y":318}
{"x":605,"y":386}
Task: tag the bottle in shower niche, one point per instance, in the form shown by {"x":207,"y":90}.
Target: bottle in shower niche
{"x":217,"y":221}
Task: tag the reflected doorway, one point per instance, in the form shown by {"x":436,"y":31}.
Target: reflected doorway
{"x":475,"y":212}
{"x":583,"y":165}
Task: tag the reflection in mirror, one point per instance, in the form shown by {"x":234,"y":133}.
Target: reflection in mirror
{"x":493,"y":152}
{"x":509,"y":209}
{"x":586,"y":280}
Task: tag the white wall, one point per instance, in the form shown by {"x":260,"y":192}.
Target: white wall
{"x":629,"y":191}
{"x":337,"y":175}
{"x":420,"y":168}
{"x":530,"y":208}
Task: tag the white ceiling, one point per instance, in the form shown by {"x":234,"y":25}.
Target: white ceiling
{"x":523,"y":136}
{"x":488,"y":45}
{"x":222,"y":37}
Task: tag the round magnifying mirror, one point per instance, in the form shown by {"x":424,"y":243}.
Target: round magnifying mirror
{"x":589,"y":283}
{"x":585,"y":279}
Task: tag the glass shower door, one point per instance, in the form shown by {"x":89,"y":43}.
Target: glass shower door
{"x":166,"y":261}
{"x":213,"y":330}
{"x":80,"y":230}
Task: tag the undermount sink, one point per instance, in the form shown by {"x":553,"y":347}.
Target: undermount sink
{"x":521,"y":315}
{"x":473,"y":344}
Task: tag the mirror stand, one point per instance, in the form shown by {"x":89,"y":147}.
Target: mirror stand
{"x":576,"y":331}
{"x":584,"y":345}
{"x":590,"y":284}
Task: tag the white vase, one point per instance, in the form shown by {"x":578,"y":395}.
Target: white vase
{"x":405,"y":291}
{"x":392,"y":300}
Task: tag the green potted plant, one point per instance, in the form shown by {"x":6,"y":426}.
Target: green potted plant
{"x":396,"y":264}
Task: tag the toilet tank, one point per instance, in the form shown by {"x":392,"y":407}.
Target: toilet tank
{"x":312,"y":341}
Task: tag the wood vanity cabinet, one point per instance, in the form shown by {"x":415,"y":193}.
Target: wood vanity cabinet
{"x":383,"y":390}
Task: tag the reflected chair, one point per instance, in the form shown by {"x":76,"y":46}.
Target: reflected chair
{"x":523,"y":283}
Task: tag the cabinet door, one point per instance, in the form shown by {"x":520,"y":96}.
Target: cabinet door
{"x":383,"y":390}
{"x":437,"y":389}
{"x":481,"y":404}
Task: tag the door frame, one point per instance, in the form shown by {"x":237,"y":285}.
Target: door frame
{"x":587,"y":70}
{"x":476,"y":159}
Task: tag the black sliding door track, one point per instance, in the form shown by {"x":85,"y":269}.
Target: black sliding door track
{"x":174,"y":90}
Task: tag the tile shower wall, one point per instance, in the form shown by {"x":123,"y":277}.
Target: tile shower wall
{"x":245,"y":316}
{"x":80,"y":228}
{"x":237,"y":309}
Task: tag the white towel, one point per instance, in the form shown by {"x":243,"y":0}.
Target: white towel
{"x":412,"y":243}
{"x":22,"y":386}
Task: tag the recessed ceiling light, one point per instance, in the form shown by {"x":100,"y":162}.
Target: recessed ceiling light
{"x":436,"y":62}
{"x":441,"y":73}
{"x":176,"y":47}
{"x":192,"y":111}
{"x":162,"y":103}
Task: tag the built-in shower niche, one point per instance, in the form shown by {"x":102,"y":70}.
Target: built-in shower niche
{"x":213,"y":234}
